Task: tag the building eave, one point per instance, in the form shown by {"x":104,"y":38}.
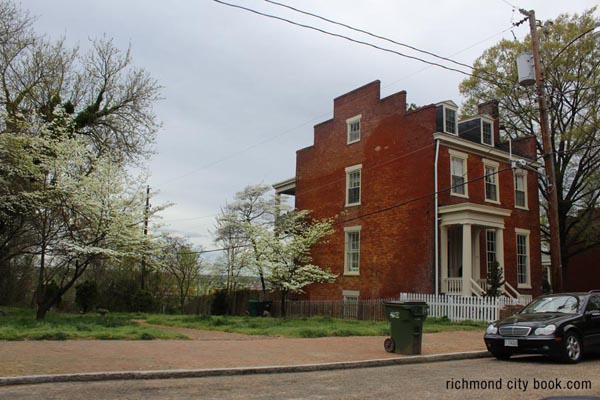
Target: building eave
{"x":479,"y":149}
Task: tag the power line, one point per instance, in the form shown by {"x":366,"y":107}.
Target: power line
{"x":368,"y":33}
{"x":231,"y":155}
{"x":340,"y":36}
{"x":496,"y":83}
{"x":404,"y":203}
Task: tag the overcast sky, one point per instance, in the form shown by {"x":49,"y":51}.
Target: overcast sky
{"x":242,"y":91}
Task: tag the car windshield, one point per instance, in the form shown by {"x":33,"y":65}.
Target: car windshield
{"x":563,"y":304}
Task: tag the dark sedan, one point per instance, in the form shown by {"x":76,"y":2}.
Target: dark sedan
{"x":560,"y":325}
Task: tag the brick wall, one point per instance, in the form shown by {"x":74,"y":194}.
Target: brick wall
{"x":396,"y":214}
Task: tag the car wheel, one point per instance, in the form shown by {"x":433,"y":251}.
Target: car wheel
{"x":501,"y":355}
{"x":572,"y":348}
{"x":389,"y":345}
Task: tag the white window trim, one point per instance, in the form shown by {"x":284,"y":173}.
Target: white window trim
{"x":491,"y":122}
{"x":464,"y":157}
{"x":495,"y":165}
{"x":446,"y":107}
{"x":351,"y":293}
{"x":524,"y":232}
{"x":349,"y":121}
{"x":522,"y":173}
{"x":351,"y":229}
{"x":348,"y":171}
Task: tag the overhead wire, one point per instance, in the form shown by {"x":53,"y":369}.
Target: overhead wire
{"x":340,"y":36}
{"x":254,"y":145}
{"x":413,"y":200}
{"x":368,"y":33}
{"x":343,"y":37}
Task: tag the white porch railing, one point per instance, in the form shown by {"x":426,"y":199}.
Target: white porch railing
{"x":478,"y":290}
{"x":459,"y":308}
{"x":452,"y":285}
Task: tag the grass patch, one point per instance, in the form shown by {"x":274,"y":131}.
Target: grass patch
{"x":303,"y":327}
{"x":20,"y":324}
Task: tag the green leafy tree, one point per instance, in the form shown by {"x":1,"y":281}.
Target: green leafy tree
{"x":571,"y":61}
{"x":494,"y":280}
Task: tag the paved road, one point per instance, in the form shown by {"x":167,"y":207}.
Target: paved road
{"x":509,"y":380}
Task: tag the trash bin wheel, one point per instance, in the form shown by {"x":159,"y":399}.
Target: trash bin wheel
{"x":389,"y":345}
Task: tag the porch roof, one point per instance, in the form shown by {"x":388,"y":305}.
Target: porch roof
{"x":473,"y":214}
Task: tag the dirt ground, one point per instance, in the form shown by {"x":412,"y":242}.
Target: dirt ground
{"x":207,"y":349}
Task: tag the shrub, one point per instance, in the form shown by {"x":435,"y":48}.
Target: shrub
{"x":219,"y":303}
{"x":143,"y":301}
{"x":86,"y":295}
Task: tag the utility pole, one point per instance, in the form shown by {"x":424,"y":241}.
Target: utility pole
{"x":146,"y":216}
{"x":549,"y":158}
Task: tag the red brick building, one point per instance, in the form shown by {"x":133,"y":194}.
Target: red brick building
{"x":377,"y":167}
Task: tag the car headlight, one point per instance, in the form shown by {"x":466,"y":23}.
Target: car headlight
{"x":491,"y":329}
{"x":546,"y":330}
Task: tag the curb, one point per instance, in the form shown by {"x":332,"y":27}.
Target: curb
{"x":199,"y":373}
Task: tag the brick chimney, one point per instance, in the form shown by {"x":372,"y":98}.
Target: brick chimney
{"x":491,"y":108}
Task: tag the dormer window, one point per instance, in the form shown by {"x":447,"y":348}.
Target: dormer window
{"x":478,"y":129}
{"x":445,"y":118}
{"x":450,"y":120}
{"x":486,"y":133}
{"x":353,"y":129}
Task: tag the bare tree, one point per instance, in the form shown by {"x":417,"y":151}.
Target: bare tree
{"x":182,"y":263}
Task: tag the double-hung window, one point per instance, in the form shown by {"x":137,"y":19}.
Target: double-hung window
{"x":352,"y":250}
{"x":490,"y":170}
{"x":523,"y":262}
{"x":486,"y":133}
{"x":450,"y":120}
{"x":353,"y":129}
{"x":458,"y":174}
{"x":520,"y":189}
{"x":490,"y":248}
{"x":353,"y":183}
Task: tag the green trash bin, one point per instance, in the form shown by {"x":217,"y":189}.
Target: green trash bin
{"x":253,"y":308}
{"x":406,"y":320}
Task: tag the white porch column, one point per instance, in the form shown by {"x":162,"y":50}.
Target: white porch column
{"x":476,"y":259}
{"x":444,"y":257}
{"x":467,"y":260}
{"x":500,"y":249}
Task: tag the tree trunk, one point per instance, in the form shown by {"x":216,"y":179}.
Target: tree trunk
{"x":40,"y":314}
{"x":283,"y":310}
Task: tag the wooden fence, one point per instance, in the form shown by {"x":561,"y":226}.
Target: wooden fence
{"x":364,"y":310}
{"x":455,"y":308}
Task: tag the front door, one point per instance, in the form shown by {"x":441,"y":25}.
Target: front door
{"x":455,"y":251}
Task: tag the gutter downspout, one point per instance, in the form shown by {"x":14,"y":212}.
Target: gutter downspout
{"x":435,"y":212}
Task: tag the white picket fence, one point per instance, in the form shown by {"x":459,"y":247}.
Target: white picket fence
{"x":459,"y":308}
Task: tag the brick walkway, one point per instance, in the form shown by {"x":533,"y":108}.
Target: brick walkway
{"x":207,"y":349}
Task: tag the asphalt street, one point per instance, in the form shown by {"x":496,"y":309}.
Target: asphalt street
{"x":520,"y":378}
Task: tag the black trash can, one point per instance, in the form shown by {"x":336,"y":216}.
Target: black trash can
{"x":258,"y":308}
{"x":253,"y":308}
{"x":406,"y":320}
